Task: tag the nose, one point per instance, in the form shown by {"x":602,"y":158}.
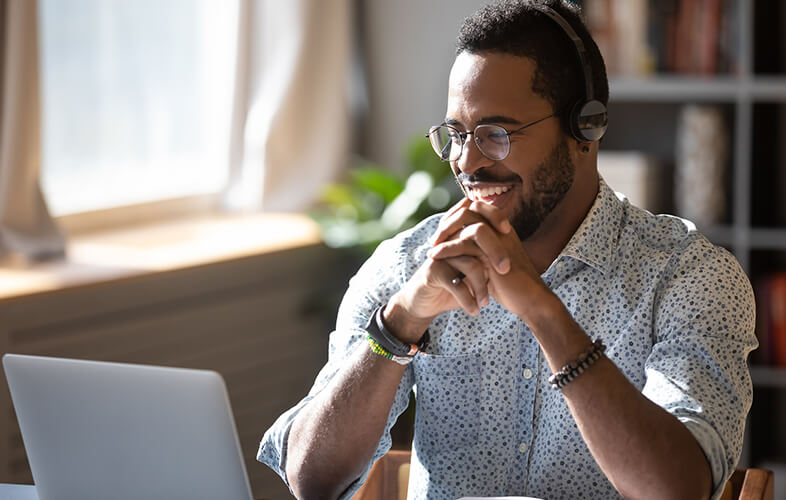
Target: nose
{"x":471,"y":159}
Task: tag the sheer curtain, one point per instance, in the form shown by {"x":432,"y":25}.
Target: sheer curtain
{"x":291,"y":119}
{"x":26,"y":227}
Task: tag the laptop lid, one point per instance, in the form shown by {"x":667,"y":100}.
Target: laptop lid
{"x":96,"y":430}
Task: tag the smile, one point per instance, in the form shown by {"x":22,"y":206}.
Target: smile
{"x":485,"y":193}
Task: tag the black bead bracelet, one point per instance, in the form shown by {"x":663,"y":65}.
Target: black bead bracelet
{"x":573,"y":370}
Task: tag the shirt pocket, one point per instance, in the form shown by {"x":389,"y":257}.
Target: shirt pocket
{"x":448,"y":400}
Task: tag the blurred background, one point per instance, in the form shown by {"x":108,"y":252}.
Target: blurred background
{"x":192,"y":182}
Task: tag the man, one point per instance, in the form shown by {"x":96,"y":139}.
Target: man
{"x":539,"y":268}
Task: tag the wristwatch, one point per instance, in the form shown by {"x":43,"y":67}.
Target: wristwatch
{"x":381,"y":335}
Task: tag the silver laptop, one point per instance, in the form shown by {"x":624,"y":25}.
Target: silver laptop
{"x":98,"y":431}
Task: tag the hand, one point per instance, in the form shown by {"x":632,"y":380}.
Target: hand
{"x":476,"y":229}
{"x":432,"y":290}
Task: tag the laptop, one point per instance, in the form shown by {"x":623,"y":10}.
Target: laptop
{"x":95,"y":430}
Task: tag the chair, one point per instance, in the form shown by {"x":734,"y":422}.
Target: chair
{"x":749,"y":484}
{"x":388,"y":478}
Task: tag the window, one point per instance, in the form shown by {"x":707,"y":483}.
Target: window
{"x":136,"y":100}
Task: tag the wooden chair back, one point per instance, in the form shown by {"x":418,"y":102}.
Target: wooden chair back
{"x":749,"y":484}
{"x":388,"y":478}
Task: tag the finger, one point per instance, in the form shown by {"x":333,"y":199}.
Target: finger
{"x":493,"y":215}
{"x":463,"y":204}
{"x":468,"y":283}
{"x":467,"y":214}
{"x":475,"y":240}
{"x":451,"y":224}
{"x":451,"y":280}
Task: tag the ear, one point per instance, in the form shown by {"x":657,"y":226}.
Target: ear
{"x":583,"y":152}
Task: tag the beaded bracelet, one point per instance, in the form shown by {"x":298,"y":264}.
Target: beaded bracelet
{"x":573,"y":370}
{"x":376,"y":348}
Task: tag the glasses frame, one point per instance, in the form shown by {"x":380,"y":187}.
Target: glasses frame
{"x":463,"y":137}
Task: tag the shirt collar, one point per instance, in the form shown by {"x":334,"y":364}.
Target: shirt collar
{"x":595,"y":241}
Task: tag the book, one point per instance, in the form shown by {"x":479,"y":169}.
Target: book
{"x":641,"y":37}
{"x":762,"y":355}
{"x":770,"y":294}
{"x":777,"y":315}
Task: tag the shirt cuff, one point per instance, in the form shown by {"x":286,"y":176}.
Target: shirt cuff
{"x":712,"y":446}
{"x":273,"y":450}
{"x":273,"y":447}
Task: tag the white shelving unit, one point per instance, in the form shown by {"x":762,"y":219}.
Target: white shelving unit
{"x":739,"y":93}
{"x":649,"y":102}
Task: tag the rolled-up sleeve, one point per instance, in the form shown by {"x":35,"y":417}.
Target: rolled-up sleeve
{"x":697,"y":370}
{"x":376,"y":281}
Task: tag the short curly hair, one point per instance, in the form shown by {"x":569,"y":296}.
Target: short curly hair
{"x":518,"y":28}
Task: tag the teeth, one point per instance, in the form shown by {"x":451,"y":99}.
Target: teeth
{"x":489,"y":191}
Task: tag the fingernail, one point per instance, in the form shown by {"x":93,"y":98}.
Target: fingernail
{"x":504,"y":265}
{"x":506,"y":227}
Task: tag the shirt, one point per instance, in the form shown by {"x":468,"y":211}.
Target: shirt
{"x":676,"y":314}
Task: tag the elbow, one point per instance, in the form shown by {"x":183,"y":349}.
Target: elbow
{"x":689,"y":493}
{"x":314,"y":483}
{"x":681,"y":487}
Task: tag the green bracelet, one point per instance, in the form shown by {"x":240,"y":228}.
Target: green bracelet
{"x":376,"y":348}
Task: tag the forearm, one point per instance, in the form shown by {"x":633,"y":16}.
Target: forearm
{"x":643,"y":450}
{"x":335,"y":435}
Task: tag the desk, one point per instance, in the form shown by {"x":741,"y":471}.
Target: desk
{"x":23,"y":492}
{"x":18,"y":492}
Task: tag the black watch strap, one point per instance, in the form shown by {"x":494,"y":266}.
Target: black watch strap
{"x":376,"y":329}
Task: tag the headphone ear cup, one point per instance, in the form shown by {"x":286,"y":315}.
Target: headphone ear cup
{"x":588,"y":120}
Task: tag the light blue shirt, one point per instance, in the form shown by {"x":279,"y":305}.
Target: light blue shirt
{"x":676,"y":314}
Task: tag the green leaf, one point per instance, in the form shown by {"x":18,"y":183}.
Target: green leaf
{"x":421,"y":157}
{"x":336,"y":195}
{"x":378,"y":181}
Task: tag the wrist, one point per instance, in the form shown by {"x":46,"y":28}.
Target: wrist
{"x":559,"y":336}
{"x":540,"y":307}
{"x":406,"y":327}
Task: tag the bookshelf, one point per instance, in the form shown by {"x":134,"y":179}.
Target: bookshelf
{"x":644,"y":110}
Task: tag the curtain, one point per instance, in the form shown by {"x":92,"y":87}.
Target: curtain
{"x":291,"y":120}
{"x":26,"y":227}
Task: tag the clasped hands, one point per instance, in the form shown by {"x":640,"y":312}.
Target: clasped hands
{"x":476,"y":243}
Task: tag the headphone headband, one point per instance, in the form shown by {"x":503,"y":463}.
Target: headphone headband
{"x":578,"y":42}
{"x":588,"y":119}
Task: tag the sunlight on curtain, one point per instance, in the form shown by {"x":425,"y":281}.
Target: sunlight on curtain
{"x":26,"y":228}
{"x":291,"y":126}
{"x":136,"y":99}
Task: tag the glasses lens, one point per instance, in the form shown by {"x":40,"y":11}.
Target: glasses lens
{"x":446,"y":142}
{"x":493,"y":141}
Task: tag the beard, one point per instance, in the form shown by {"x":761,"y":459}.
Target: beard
{"x":550,"y":182}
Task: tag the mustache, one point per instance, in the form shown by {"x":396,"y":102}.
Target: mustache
{"x":482,"y":175}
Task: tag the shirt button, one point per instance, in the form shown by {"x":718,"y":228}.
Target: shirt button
{"x":527,"y":373}
{"x":523,"y":447}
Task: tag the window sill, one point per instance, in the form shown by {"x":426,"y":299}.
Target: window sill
{"x":112,"y":255}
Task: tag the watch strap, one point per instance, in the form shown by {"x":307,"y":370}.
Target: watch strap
{"x":376,"y":330}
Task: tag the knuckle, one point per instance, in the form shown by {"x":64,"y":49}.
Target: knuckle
{"x":472,"y":231}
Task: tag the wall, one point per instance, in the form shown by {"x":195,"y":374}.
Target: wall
{"x":261,"y":321}
{"x":409,"y":48}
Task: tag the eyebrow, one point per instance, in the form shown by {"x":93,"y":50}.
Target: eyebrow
{"x":487,"y":120}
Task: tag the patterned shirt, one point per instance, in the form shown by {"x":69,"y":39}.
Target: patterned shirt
{"x":675,"y":312}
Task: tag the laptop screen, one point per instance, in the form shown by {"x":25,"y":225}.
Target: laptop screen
{"x":97,"y":430}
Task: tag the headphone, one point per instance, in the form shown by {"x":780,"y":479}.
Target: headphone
{"x":588,"y":118}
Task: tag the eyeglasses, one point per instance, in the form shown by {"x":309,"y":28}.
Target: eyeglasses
{"x":493,"y":141}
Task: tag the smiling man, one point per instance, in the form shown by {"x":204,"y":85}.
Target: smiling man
{"x":561,"y":342}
